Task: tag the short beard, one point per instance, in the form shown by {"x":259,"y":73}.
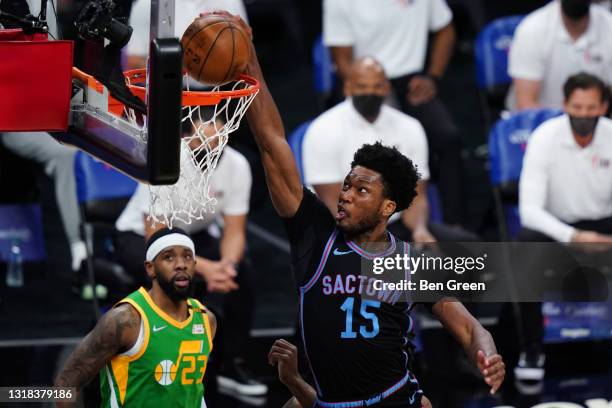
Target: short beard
{"x":366,"y":225}
{"x":171,"y":291}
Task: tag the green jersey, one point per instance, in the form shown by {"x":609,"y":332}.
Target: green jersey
{"x":166,"y":366}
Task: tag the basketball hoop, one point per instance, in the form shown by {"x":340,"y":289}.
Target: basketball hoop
{"x":189,"y":198}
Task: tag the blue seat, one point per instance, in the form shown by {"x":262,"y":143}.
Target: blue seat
{"x":101,"y":190}
{"x":323,"y":73}
{"x":323,"y":67}
{"x":491,"y":53}
{"x":507,"y":141}
{"x":296,"y":140}
{"x":98,"y":181}
{"x":102,"y":193}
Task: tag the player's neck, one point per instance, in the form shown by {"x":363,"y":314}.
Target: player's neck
{"x":376,"y":235}
{"x":177,"y":309}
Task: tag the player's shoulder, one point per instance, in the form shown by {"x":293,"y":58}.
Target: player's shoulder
{"x":124,"y":311}
{"x":123,"y":320}
{"x":200,"y":308}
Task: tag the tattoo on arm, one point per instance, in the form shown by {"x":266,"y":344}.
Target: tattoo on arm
{"x":116,"y":331}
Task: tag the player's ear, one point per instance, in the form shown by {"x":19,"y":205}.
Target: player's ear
{"x":150,"y":268}
{"x":388,"y":207}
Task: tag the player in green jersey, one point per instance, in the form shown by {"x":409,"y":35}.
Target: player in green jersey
{"x":151,"y":349}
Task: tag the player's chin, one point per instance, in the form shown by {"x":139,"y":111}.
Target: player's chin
{"x":343,"y":224}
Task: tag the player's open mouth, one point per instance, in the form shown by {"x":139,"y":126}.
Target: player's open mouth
{"x":341,"y":214}
{"x":181,"y":281}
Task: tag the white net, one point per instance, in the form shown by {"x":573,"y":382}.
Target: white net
{"x":205,"y":134}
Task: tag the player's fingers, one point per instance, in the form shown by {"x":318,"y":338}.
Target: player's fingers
{"x":231,"y":271}
{"x":494,"y":368}
{"x":495,"y":381}
{"x":498,"y":376}
{"x":272,"y":359}
{"x":279,"y":355}
{"x":496,"y":386}
{"x":481,"y":357}
{"x":494,"y":359}
{"x":287,"y":346}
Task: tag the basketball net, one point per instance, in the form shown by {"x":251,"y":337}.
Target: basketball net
{"x":190,"y":198}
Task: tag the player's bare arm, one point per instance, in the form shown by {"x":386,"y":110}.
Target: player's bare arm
{"x":265,"y":122}
{"x":116,"y":332}
{"x":284,"y":355}
{"x":475,"y":339}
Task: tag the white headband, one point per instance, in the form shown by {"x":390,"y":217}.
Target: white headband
{"x":167,"y":241}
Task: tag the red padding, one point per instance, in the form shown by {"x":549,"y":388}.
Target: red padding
{"x":35,"y":82}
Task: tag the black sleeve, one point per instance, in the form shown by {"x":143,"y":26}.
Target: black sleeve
{"x":308,"y":231}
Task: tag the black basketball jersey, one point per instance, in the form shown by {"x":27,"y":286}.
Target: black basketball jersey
{"x":356,"y":339}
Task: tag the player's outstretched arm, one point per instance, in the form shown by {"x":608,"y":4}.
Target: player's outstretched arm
{"x":281,"y":171}
{"x":116,"y":331}
{"x":475,"y":339}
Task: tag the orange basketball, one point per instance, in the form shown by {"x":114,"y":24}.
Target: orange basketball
{"x":215,"y":49}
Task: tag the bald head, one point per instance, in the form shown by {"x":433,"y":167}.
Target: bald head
{"x":366,"y":66}
{"x":367,"y":76}
{"x":368,"y":85}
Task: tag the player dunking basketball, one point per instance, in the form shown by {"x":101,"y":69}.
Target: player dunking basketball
{"x":151,"y":349}
{"x":356,"y":348}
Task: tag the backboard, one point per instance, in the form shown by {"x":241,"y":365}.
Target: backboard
{"x":150,"y":150}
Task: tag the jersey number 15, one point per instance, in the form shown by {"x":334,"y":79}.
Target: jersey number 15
{"x":348,"y":306}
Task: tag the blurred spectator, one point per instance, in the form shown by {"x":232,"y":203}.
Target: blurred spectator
{"x":565,"y":190}
{"x":554,"y":42}
{"x":604,"y":3}
{"x":185,"y":12}
{"x":220,"y":257}
{"x":57,"y":160}
{"x":334,"y":137}
{"x":396,"y":33}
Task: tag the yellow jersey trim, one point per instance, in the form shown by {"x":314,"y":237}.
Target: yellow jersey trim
{"x":143,"y":316}
{"x":164,"y":315}
{"x":206,"y":317}
{"x":120,"y":364}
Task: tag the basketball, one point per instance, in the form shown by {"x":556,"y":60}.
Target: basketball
{"x":215,"y":49}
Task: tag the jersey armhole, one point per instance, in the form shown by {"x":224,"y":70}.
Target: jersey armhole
{"x":139,"y":347}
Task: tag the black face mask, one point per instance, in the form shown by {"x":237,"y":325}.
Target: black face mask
{"x":584,"y":126}
{"x":575,"y":9}
{"x":368,"y":105}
